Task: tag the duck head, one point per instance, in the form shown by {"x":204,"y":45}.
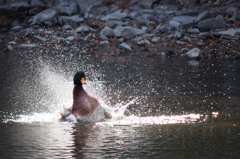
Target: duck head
{"x":79,"y":78}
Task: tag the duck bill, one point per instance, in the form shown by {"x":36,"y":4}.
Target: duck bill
{"x":83,"y":81}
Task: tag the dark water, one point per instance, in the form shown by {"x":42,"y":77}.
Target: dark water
{"x":175,"y":110}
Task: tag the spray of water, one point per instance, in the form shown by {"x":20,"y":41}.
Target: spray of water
{"x":58,"y":96}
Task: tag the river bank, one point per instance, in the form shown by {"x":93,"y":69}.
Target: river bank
{"x":189,"y":30}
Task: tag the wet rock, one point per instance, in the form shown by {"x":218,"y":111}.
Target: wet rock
{"x":203,"y":15}
{"x":66,"y":7}
{"x":108,"y":32}
{"x":184,"y":19}
{"x":84,"y":28}
{"x":118,"y":15}
{"x":29,"y":45}
{"x":71,"y":19}
{"x":125,"y":32}
{"x":211,"y":24}
{"x":47,"y":17}
{"x":125,"y":47}
{"x":193,"y":53}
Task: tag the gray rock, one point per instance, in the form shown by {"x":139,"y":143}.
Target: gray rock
{"x":132,"y":14}
{"x":193,"y":31}
{"x":147,"y":11}
{"x":219,"y":17}
{"x":144,"y":42}
{"x":66,"y":7}
{"x":29,"y":45}
{"x":125,"y":47}
{"x":118,"y":15}
{"x":16,"y":28}
{"x":107,"y":31}
{"x":133,"y":3}
{"x":19,"y":6}
{"x":229,"y":32}
{"x":47,"y":17}
{"x":237,"y":31}
{"x":71,"y":19}
{"x":85,"y":4}
{"x":70,"y":38}
{"x":139,"y":31}
{"x":146,"y":4}
{"x":184,"y":19}
{"x":211,"y":24}
{"x":39,"y":38}
{"x":36,"y":3}
{"x":95,"y":9}
{"x":125,"y":32}
{"x":187,"y":13}
{"x":203,"y":15}
{"x":178,"y":35}
{"x":84,"y":28}
{"x":102,"y":36}
{"x":114,"y":9}
{"x":113,"y":23}
{"x":165,"y":28}
{"x":155,"y":39}
{"x":67,"y":27}
{"x":205,"y":36}
{"x":174,"y":24}
{"x":193,"y":53}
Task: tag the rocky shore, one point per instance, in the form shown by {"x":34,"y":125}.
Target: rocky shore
{"x":186,"y":29}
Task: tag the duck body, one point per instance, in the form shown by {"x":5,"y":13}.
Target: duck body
{"x":83,"y":104}
{"x":84,"y":107}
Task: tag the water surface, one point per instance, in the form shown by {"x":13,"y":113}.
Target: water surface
{"x":163,"y":108}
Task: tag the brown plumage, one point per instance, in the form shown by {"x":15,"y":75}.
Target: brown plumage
{"x":83,"y":104}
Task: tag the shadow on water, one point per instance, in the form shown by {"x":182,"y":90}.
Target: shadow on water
{"x":169,"y":108}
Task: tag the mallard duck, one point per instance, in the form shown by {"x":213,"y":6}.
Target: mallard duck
{"x":84,"y":107}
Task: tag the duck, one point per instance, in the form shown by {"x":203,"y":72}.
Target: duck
{"x":84,"y":107}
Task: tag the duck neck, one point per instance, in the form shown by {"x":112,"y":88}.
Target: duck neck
{"x":78,"y":91}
